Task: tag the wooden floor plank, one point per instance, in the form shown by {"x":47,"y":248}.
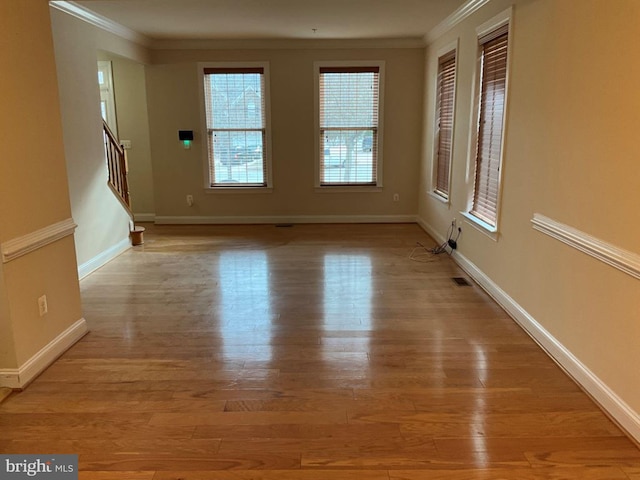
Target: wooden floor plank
{"x":275,"y":475}
{"x":143,"y":461}
{"x":589,"y":473}
{"x":308,"y":353}
{"x":93,"y":475}
{"x":632,"y":472}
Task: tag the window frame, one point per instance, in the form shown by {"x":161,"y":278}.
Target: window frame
{"x":267,"y":147}
{"x":505,"y":18}
{"x":451,"y":49}
{"x":377,"y":187}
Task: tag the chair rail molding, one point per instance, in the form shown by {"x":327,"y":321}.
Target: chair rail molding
{"x":20,"y":246}
{"x":624,"y":260}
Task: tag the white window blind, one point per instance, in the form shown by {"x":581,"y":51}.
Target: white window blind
{"x":490,"y":125}
{"x":444,"y":121}
{"x":236,"y":126}
{"x":349,"y":106}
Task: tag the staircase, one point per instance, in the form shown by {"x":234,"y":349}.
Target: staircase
{"x":116,"y":157}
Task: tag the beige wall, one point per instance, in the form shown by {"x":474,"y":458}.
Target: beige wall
{"x":133,"y":125}
{"x":7,"y":344}
{"x":174,"y":103}
{"x":102,"y":222}
{"x":27,"y":157}
{"x":49,"y":271}
{"x":572,"y":155}
{"x":33,"y":186}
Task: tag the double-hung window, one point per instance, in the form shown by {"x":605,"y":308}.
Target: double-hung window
{"x":349,"y":130}
{"x":236,"y":123}
{"x":489,"y":144}
{"x":445,"y":105}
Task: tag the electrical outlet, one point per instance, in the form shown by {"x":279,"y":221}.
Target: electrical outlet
{"x":396,"y":197}
{"x":126,"y":144}
{"x":190,"y":200}
{"x":42,"y":305}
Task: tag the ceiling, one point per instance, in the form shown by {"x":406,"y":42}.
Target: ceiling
{"x":275,"y":19}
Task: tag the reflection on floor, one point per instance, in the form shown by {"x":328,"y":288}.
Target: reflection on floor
{"x":311,"y":352}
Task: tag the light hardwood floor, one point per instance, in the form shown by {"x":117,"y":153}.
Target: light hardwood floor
{"x":306,"y":353}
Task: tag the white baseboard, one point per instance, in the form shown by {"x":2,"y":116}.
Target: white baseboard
{"x":18,"y":378}
{"x":430,"y":230}
{"x":144,"y":217}
{"x":239,"y":220}
{"x":103,"y":258}
{"x":608,"y":400}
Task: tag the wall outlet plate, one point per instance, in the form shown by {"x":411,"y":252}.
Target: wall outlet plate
{"x":42,"y":305}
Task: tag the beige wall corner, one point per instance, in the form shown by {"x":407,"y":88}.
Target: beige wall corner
{"x":33,"y":187}
{"x":102,"y":221}
{"x":133,"y":125}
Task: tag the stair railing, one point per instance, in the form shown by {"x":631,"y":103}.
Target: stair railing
{"x":118,"y":167}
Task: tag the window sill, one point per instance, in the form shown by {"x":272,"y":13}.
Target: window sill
{"x":237,"y":190}
{"x":482,"y":227}
{"x":348,"y":189}
{"x":440,"y":198}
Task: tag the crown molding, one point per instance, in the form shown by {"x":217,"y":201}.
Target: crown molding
{"x":463,"y":12}
{"x":288,"y":44}
{"x":104,"y":23}
{"x":86,"y":15}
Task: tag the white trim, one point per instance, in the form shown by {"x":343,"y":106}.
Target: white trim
{"x":432,"y":232}
{"x":446,"y":49}
{"x":348,"y":189}
{"x":103,"y":258}
{"x":19,"y":378}
{"x":244,"y":220}
{"x":442,"y":51}
{"x":439,"y":198}
{"x":460,"y":14}
{"x":503,"y":18}
{"x":316,"y":114}
{"x":17,"y":247}
{"x":144,"y":217}
{"x":609,"y":401}
{"x":266,"y":76}
{"x":288,"y":44}
{"x":494,"y":23}
{"x":97,"y":20}
{"x":107,"y":94}
{"x":624,"y":260}
{"x":237,"y":190}
{"x":481,"y":226}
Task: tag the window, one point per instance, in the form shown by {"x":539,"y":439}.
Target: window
{"x":236,"y":124}
{"x":107,"y":95}
{"x":493,"y":84}
{"x":445,"y":95}
{"x":349,"y":130}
